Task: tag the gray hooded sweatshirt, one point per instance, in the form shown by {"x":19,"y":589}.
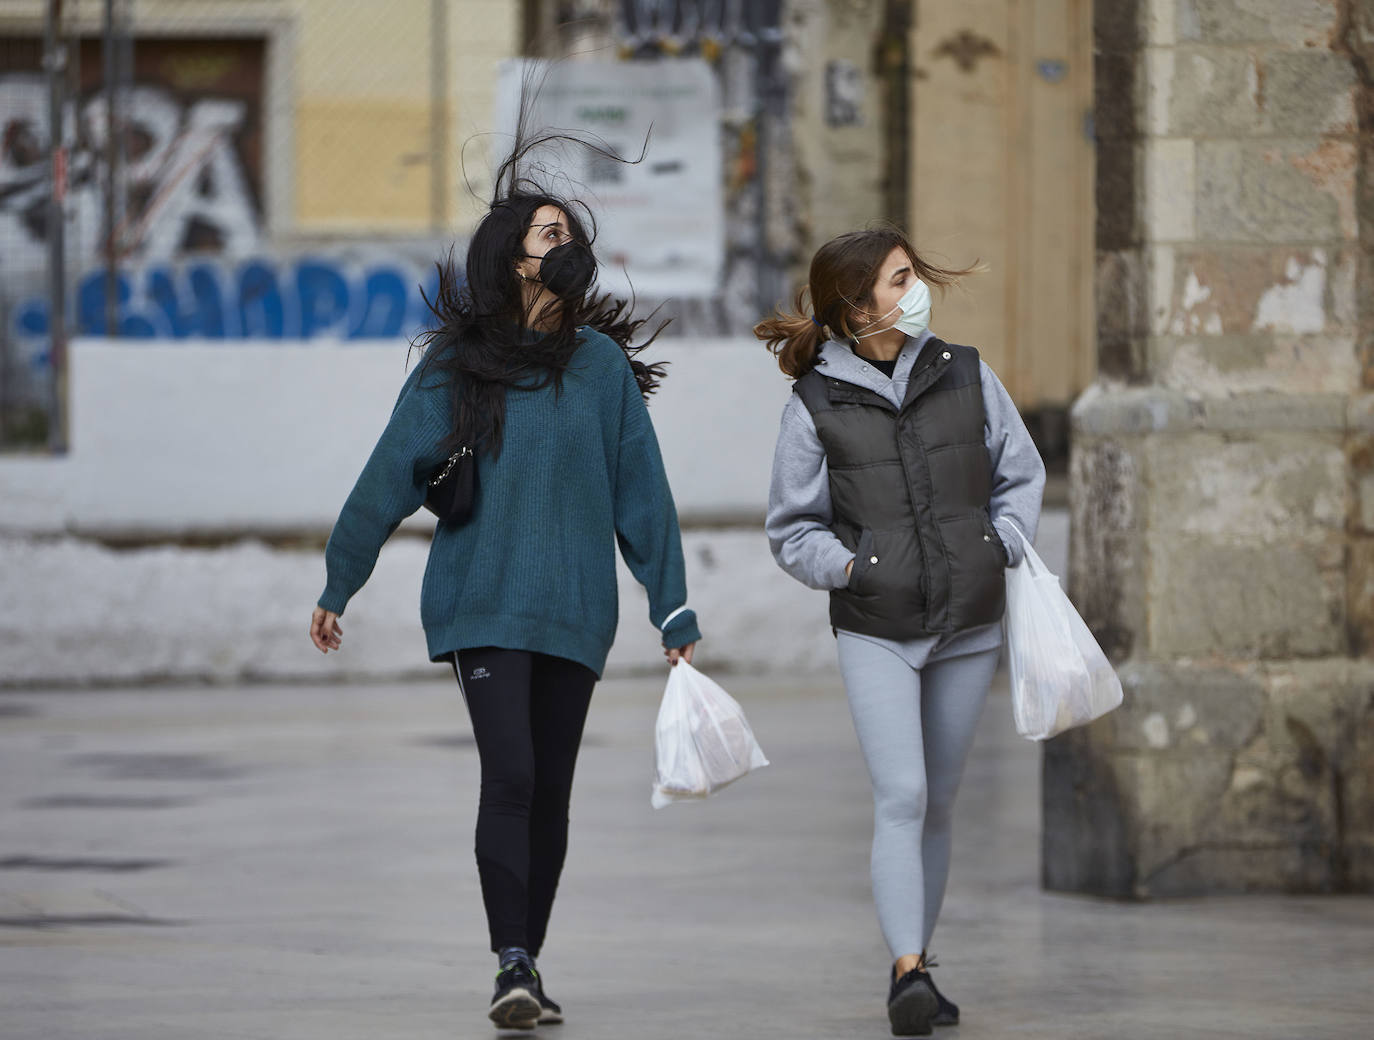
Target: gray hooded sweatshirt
{"x":799,"y":514}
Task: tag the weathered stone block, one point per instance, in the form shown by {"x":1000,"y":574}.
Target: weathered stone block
{"x":1213,"y":597}
{"x":1296,"y":23}
{"x":1214,"y":92}
{"x":1176,"y":797}
{"x":1320,"y":731}
{"x":1088,"y":818}
{"x":1215,"y":366}
{"x":1100,"y":412}
{"x":1309,"y":92}
{"x":1268,"y":191}
{"x":1213,"y":869}
{"x":1276,"y":488}
{"x":1104,"y":545}
{"x":1242,"y":289}
{"x":1169,"y":170}
{"x":1156,"y":89}
{"x":1160,"y":22}
{"x":1180,"y":709}
{"x":1120,"y":298}
{"x":1215,"y":779}
{"x":1275,"y":411}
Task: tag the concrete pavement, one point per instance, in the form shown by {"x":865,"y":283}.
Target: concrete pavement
{"x":295,"y":862}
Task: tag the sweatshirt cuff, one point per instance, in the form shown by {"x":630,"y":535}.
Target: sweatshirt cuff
{"x":681,"y":630}
{"x":1011,"y":543}
{"x":832,"y":568}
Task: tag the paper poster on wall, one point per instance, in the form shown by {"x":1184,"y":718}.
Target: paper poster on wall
{"x":660,"y":222}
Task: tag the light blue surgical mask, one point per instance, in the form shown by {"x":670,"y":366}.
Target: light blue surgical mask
{"x":915,"y":313}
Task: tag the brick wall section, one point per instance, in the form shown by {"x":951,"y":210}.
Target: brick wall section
{"x":1223,"y":466}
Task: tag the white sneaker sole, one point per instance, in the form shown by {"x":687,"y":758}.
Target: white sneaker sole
{"x":518,"y":1009}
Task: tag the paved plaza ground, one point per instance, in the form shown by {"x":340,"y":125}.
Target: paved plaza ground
{"x":274,"y":862}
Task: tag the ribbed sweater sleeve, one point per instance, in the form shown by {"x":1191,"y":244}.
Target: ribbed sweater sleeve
{"x":646,"y":520}
{"x":1018,"y":473}
{"x":391,"y":487}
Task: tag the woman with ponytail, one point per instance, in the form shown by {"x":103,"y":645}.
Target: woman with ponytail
{"x":902,"y":481}
{"x":532,"y":371}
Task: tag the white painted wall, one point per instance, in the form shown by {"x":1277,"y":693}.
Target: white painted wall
{"x":173,"y":439}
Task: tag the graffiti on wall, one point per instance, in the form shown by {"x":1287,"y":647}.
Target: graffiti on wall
{"x":258,"y":298}
{"x":194,"y":262}
{"x":188,"y":189}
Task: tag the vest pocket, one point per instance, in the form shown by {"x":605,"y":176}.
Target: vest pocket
{"x":977,"y":569}
{"x":994,"y":539}
{"x":864,"y":559}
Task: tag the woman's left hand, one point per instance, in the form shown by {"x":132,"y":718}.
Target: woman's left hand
{"x":684,"y":653}
{"x":325,"y":632}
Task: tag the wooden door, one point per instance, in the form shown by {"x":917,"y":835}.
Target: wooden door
{"x":1001,"y":168}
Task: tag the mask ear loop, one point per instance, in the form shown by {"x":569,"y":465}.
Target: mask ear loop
{"x":875,"y":321}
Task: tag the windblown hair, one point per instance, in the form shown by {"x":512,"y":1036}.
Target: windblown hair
{"x":482,"y":338}
{"x":839,"y":289}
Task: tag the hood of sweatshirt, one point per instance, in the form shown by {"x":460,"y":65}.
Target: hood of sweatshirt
{"x":838,"y":361}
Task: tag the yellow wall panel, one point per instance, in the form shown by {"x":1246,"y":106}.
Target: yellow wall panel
{"x":362,"y":164}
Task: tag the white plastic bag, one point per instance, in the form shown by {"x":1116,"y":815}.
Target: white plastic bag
{"x":702,"y":740}
{"x":1060,"y":678}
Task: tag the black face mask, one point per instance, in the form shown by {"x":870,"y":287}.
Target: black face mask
{"x":567,"y":271}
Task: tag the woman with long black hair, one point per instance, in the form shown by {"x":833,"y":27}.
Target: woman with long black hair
{"x":532,"y":371}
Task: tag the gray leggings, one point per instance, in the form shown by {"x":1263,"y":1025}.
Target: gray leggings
{"x":915,"y":728}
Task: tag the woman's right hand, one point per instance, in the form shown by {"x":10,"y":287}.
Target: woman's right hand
{"x":325,"y":632}
{"x":679,"y":653}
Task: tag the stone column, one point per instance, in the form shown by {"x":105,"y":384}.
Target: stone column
{"x":1222,"y":481}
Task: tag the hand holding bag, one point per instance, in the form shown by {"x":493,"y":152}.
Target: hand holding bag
{"x":1060,"y":678}
{"x":702,"y":740}
{"x":453,"y":491}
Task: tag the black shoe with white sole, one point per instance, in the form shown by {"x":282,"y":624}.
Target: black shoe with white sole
{"x":515,"y":1004}
{"x":550,"y":1014}
{"x":911,"y":1003}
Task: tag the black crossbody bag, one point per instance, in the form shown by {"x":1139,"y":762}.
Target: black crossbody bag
{"x":452,"y":493}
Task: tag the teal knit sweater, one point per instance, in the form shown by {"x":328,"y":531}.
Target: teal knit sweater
{"x":534,"y":568}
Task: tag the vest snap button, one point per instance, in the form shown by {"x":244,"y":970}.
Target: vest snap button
{"x":873,"y":559}
{"x":945,"y":355}
{"x":987,"y":538}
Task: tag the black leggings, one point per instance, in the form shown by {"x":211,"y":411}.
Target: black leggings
{"x":527,"y":714}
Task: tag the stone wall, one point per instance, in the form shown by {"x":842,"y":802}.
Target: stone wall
{"x":1223,"y":465}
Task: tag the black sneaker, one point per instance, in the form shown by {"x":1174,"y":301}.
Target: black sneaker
{"x":948,"y":1013}
{"x":515,"y":1004}
{"x":550,"y":1014}
{"x":911,"y":1003}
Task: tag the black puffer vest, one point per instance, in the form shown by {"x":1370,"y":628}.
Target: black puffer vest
{"x":909,"y":493}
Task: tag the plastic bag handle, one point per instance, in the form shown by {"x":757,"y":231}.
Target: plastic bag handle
{"x":1029,"y":557}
